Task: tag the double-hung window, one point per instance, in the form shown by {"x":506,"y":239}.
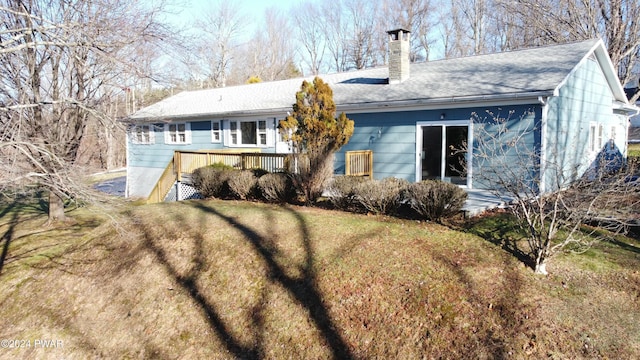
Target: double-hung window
{"x":596,"y":135}
{"x":216,"y":130}
{"x":252,"y":133}
{"x":142,"y":134}
{"x":612,"y":138}
{"x":177,"y":133}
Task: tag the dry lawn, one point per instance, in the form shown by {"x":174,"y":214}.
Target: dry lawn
{"x":223,"y":280}
{"x":634,"y":150}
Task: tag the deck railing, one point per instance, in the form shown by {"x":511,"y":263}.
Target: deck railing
{"x":164,"y":184}
{"x":358,"y":163}
{"x":188,"y":161}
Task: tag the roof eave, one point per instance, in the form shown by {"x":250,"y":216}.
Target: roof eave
{"x":529,"y":97}
{"x":448,"y":102}
{"x":601,"y":54}
{"x":204,"y":116}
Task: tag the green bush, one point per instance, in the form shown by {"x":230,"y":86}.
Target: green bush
{"x":242,"y":183}
{"x":220,"y":166}
{"x":380,"y":196}
{"x":433,"y":199}
{"x":341,"y":191}
{"x":276,"y":187}
{"x":211,"y":181}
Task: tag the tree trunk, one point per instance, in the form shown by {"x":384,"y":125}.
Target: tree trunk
{"x":541,"y":267}
{"x":56,"y":208}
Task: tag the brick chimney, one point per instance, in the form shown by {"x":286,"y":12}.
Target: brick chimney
{"x":398,"y":55}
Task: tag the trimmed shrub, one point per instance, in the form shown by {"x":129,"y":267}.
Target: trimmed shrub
{"x":276,"y":187}
{"x":380,"y":196}
{"x":341,"y":191}
{"x":242,"y":183}
{"x":220,"y":166}
{"x":258,"y":173}
{"x":434,"y":199}
{"x":211,"y":181}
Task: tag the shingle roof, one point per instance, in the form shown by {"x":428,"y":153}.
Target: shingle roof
{"x":495,"y":75}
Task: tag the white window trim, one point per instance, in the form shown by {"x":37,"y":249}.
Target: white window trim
{"x":596,"y":137}
{"x":269,"y":132}
{"x":444,"y":124}
{"x":219,"y":132}
{"x":187,"y":135}
{"x":612,"y":137}
{"x":134,"y":134}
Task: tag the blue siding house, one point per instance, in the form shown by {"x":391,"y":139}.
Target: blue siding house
{"x":412,"y":115}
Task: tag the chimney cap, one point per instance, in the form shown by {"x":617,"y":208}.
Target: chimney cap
{"x":395,"y":31}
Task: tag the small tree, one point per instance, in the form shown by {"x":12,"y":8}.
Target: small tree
{"x":570,"y":214}
{"x":315,"y":134}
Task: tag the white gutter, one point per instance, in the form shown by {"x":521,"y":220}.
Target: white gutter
{"x":391,"y":105}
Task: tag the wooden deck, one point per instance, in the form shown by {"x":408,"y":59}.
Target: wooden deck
{"x":180,"y":168}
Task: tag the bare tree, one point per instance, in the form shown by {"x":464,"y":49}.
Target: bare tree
{"x":269,"y":54}
{"x":336,"y":31}
{"x":60,"y":61}
{"x":558,"y":21}
{"x":309,"y":26}
{"x":453,"y":31}
{"x":361,"y":16}
{"x":221,"y":28}
{"x":413,"y":15}
{"x":573,"y":213}
{"x":474,"y":14}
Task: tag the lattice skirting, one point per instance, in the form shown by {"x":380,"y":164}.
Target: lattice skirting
{"x":181,"y":191}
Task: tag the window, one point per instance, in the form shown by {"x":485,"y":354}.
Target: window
{"x":248,"y":133}
{"x":142,"y":134}
{"x":233,"y":130}
{"x":179,"y":133}
{"x":612,"y":140}
{"x":215,"y":132}
{"x":600,"y":137}
{"x":596,"y":135}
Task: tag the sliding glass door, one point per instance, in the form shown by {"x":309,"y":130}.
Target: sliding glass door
{"x":443,"y":153}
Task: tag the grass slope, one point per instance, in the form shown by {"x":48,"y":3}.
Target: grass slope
{"x":634,"y":150}
{"x":212,"y":279}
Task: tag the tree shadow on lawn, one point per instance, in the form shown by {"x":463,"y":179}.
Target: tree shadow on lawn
{"x":626,"y":245}
{"x":502,"y":306}
{"x":15,"y":213}
{"x":7,"y":237}
{"x":302,"y":288}
{"x":498,"y":229}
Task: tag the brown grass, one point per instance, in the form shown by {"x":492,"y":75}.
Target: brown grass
{"x":218,"y":280}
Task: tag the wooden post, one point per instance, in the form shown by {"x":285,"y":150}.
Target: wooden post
{"x":177,"y":163}
{"x":370,"y":155}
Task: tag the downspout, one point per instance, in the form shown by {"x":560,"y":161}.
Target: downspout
{"x":544,"y":101}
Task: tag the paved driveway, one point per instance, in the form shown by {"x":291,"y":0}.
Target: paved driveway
{"x":113,"y":186}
